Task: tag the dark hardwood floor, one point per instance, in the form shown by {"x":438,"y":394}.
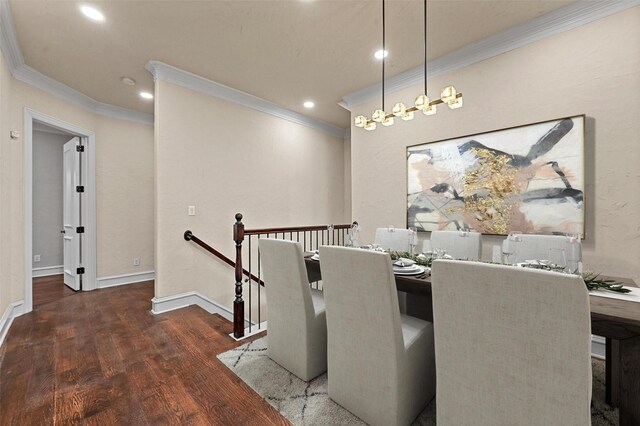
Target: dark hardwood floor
{"x":49,"y":289}
{"x":101,"y":358}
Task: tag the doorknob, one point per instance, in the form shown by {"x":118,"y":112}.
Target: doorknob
{"x":63,"y":232}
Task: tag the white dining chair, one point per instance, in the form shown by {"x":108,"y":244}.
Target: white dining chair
{"x":462,"y":245}
{"x":297,"y":335}
{"x":381,"y":363}
{"x":549,"y":247}
{"x":513,"y":345}
{"x":396,"y":239}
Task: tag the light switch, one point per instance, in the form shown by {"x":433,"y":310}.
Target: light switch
{"x":36,"y":258}
{"x":192,"y":210}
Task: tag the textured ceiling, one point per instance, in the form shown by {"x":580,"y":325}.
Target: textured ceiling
{"x":282,"y":51}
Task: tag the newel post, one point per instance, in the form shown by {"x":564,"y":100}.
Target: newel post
{"x":238,"y":303}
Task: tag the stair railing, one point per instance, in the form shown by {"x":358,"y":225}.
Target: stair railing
{"x":311,"y":237}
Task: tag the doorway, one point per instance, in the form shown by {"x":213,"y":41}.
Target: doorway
{"x":54,"y":171}
{"x":65,"y":241}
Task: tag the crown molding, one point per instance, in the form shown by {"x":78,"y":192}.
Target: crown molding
{"x":23,"y":72}
{"x":8,"y":39}
{"x":183,"y":78}
{"x":566,"y":18}
{"x":36,"y":79}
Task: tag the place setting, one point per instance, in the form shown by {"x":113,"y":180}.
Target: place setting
{"x":409,"y":267}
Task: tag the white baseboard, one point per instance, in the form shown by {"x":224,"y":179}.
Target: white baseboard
{"x":13,"y":310}
{"x":169,"y":303}
{"x":116,"y":280}
{"x":248,"y":332}
{"x":46,"y":271}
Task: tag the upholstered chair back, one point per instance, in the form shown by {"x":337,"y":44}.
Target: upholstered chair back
{"x":459,"y":245}
{"x":365,"y":340}
{"x":297,"y":329}
{"x":538,"y":247}
{"x":513,"y":345}
{"x":393,"y":239}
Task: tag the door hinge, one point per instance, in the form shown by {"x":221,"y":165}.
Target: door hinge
{"x":80,"y":148}
{"x":80,"y":270}
{"x":80,"y":188}
{"x":80,"y":230}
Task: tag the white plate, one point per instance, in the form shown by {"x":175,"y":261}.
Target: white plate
{"x":419,"y":271}
{"x":315,"y":257}
{"x":406,"y":262}
{"x":411,"y":268}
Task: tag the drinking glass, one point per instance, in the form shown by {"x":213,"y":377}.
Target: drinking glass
{"x":508,"y":251}
{"x":355,"y":231}
{"x":413,"y":238}
{"x":439,"y":253}
{"x":558,"y":258}
{"x":574,"y":253}
{"x":348,"y":242}
{"x":427,"y":248}
{"x":573,"y":266}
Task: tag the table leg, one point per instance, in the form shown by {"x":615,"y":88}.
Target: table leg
{"x":629,"y":397}
{"x":419,"y":306}
{"x":612,"y":372}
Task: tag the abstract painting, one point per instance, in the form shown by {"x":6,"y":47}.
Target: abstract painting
{"x":528,"y":179}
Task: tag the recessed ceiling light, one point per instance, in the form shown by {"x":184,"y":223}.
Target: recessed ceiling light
{"x":309,"y":104}
{"x":146,"y":95}
{"x":92,"y":13}
{"x":379,"y":54}
{"x":128,"y":81}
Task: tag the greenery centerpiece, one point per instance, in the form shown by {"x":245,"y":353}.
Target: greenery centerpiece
{"x":592,"y":280}
{"x":420,"y":259}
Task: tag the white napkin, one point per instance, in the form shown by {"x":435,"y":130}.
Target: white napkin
{"x":404,"y":262}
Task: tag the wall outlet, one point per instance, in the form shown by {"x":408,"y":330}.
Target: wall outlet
{"x":36,"y":258}
{"x":191,"y":210}
{"x":136,"y":261}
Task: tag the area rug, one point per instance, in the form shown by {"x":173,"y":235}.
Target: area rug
{"x":309,"y":404}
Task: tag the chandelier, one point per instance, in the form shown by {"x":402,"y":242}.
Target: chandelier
{"x":448,"y":95}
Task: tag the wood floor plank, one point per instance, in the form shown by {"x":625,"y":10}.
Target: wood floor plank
{"x":48,"y":289}
{"x":101,"y":358}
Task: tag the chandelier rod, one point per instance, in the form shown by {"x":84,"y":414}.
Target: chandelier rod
{"x":425,"y":47}
{"x":384,"y":52}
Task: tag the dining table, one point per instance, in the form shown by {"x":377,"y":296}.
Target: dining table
{"x":617,"y":320}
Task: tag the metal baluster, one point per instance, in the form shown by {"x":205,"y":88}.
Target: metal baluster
{"x":249,"y":281}
{"x":259,"y":289}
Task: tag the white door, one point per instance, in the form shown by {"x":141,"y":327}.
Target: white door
{"x":71,"y":213}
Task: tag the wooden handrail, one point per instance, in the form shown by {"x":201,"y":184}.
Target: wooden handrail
{"x":239,"y":234}
{"x":294,"y":229}
{"x":188,"y":235}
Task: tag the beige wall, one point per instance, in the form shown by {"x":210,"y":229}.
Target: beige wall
{"x":7,"y":207}
{"x":592,"y":70}
{"x":224,"y":158}
{"x":347,"y":178}
{"x":124,"y":179}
